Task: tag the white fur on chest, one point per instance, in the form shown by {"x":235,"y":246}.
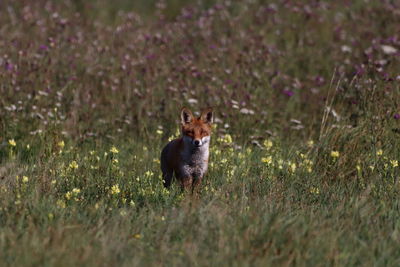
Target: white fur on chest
{"x":195,"y":160}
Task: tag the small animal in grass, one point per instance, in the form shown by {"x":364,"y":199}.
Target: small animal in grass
{"x":187,"y":156}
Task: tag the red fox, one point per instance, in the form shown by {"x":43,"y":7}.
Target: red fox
{"x":187,"y":156}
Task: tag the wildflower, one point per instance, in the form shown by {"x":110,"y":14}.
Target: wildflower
{"x":115,"y":189}
{"x":115,"y":161}
{"x":123,"y":213}
{"x":61,"y":144}
{"x":394,"y":163}
{"x":148,"y":173}
{"x":288,"y":92}
{"x":335,"y":154}
{"x":132,"y":203}
{"x":226,"y":139}
{"x":292,"y":167}
{"x":310,"y":143}
{"x":25,"y":179}
{"x":68,"y":195}
{"x":267,"y":160}
{"x":159,"y":132}
{"x":268,"y":144}
{"x":73,"y":165}
{"x":114,"y":150}
{"x":314,"y":190}
{"x":76,"y":191}
{"x":379,"y":152}
{"x":60,"y":203}
{"x":372,"y":167}
{"x":12,"y":142}
{"x":28,"y":147}
{"x":137,"y":236}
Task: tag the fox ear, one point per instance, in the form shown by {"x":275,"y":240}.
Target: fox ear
{"x":186,"y":116}
{"x":207,"y":115}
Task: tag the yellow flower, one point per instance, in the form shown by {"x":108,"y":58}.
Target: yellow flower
{"x":159,"y":132}
{"x":293,"y":167}
{"x":379,"y":152}
{"x":372,"y":167}
{"x":226,"y":139}
{"x":73,"y":165}
{"x":137,"y":236}
{"x":115,"y":189}
{"x":267,"y":160}
{"x":61,"y":144}
{"x":25,"y":179}
{"x":148,"y":173}
{"x":394,"y":163}
{"x":12,"y":142}
{"x":268,"y":144}
{"x":310,"y":143}
{"x":114,"y":150}
{"x":68,"y":195}
{"x":358,"y":167}
{"x":60,"y":203}
{"x":314,"y":190}
{"x":123,"y":213}
{"x":76,"y":191}
{"x":335,"y":154}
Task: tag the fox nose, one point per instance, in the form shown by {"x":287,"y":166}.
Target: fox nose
{"x":196,"y":142}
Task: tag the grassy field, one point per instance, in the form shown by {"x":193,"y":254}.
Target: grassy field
{"x":304,"y":166}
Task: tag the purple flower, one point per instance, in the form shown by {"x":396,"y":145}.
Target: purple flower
{"x":288,"y":92}
{"x":228,"y":81}
{"x":396,"y":116}
{"x":44,"y":47}
{"x":9,"y":66}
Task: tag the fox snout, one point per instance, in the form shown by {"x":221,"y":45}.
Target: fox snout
{"x":196,"y":142}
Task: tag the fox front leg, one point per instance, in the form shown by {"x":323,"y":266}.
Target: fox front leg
{"x":186,"y":183}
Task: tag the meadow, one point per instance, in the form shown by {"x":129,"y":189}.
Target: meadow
{"x":304,"y":164}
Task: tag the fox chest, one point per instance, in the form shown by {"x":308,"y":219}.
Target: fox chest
{"x":194,"y":165}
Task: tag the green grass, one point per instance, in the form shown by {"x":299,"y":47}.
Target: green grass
{"x":304,"y":152}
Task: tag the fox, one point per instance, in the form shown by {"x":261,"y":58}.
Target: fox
{"x":187,"y":156}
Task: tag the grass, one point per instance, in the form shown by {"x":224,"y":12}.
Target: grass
{"x":304,"y":153}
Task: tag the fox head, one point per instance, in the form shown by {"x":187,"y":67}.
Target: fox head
{"x":196,"y":131}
